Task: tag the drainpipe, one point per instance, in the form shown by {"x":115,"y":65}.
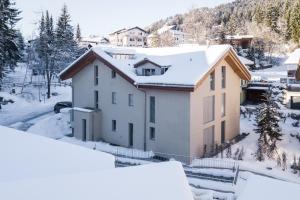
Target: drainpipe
{"x":145,"y":115}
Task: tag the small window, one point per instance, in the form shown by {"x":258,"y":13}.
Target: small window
{"x":113,"y":98}
{"x":113,"y":74}
{"x":96,"y":99}
{"x":96,"y":74}
{"x":212,"y":80}
{"x":114,"y":125}
{"x":130,"y":99}
{"x":152,"y":133}
{"x":223,"y":76}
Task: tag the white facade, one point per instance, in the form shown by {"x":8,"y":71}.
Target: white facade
{"x":131,"y":37}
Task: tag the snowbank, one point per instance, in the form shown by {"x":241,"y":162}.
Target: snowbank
{"x":148,"y":182}
{"x":23,"y":156}
{"x":261,"y":188}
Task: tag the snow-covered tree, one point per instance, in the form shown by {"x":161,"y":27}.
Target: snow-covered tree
{"x":155,"y":40}
{"x":295,"y":22}
{"x":78,"y":33}
{"x":267,"y":121}
{"x":9,"y":50}
{"x":65,"y":44}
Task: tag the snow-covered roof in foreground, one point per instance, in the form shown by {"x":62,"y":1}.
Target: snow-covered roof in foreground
{"x":261,"y":188}
{"x":161,"y":181}
{"x":188,"y":64}
{"x":294,"y":58}
{"x":23,"y":156}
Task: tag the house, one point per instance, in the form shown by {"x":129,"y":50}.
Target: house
{"x":175,"y":35}
{"x":129,"y":37}
{"x":292,"y":96}
{"x":243,"y":41}
{"x":35,"y":167}
{"x":177,"y":101}
{"x":250,"y":65}
{"x":88,"y":42}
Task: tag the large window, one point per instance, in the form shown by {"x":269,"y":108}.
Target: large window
{"x":113,"y":125}
{"x":209,"y":139}
{"x":212,"y":80}
{"x":208,"y":109}
{"x":96,"y":99}
{"x":130,"y":99}
{"x":148,"y":72}
{"x":152,"y":109}
{"x":152,"y":133}
{"x":114,"y":98}
{"x":223,"y":76}
{"x":223,"y":106}
{"x":96,"y":74}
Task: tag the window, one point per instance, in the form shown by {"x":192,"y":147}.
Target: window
{"x":113,"y":74}
{"x":223,"y":107}
{"x":212,"y":80}
{"x":152,"y":109}
{"x":152,"y":133}
{"x":163,"y":70}
{"x":114,"y":125}
{"x":96,"y":99}
{"x":148,"y":72}
{"x":130,"y":99}
{"x":208,"y":109}
{"x":96,"y":74}
{"x":223,"y":132}
{"x":113,"y":98}
{"x":223,"y":76}
{"x":130,"y":132}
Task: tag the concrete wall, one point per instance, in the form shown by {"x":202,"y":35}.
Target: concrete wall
{"x":232,"y":109}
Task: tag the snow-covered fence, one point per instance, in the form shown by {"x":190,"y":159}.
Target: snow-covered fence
{"x":214,"y":163}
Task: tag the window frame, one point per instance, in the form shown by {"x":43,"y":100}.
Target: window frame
{"x":113,"y":125}
{"x":113,"y":74}
{"x":223,"y":106}
{"x":96,"y":75}
{"x":223,"y":74}
{"x":96,"y":99}
{"x":130,"y":100}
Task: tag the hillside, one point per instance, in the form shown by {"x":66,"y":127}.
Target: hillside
{"x":276,"y":21}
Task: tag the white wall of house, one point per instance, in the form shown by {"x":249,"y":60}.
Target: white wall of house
{"x":129,"y":38}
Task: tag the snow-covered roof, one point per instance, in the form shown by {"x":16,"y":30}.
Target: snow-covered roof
{"x":188,"y":64}
{"x":294,"y":58}
{"x":83,"y":109}
{"x":160,"y":181}
{"x":246,"y":61}
{"x":261,"y":188}
{"x":24,"y":155}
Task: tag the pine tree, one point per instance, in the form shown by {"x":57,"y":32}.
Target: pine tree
{"x":295,"y":22}
{"x":155,"y":40}
{"x":9,"y":51}
{"x":268,"y":128}
{"x":66,"y":46}
{"x":272,"y":17}
{"x":78,"y":33}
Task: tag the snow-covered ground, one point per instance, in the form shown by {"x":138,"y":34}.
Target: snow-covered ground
{"x":32,"y":101}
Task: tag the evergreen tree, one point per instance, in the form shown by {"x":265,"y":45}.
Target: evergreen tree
{"x":268,"y":128}
{"x":78,"y":33}
{"x":9,"y":51}
{"x":46,"y":49}
{"x":295,"y":22}
{"x":66,"y":46}
{"x":272,"y":17}
{"x":155,"y":40}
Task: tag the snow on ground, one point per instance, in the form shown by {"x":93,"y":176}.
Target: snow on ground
{"x":106,"y":147}
{"x":28,"y":104}
{"x":28,"y":156}
{"x":160,"y":181}
{"x":260,"y":188}
{"x":270,"y":74}
{"x":55,"y":126}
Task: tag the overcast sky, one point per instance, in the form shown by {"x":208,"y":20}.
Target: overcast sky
{"x":100,"y":17}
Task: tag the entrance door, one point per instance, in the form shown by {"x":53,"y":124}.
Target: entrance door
{"x":130,"y":131}
{"x":223,"y":132}
{"x":84,"y":129}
